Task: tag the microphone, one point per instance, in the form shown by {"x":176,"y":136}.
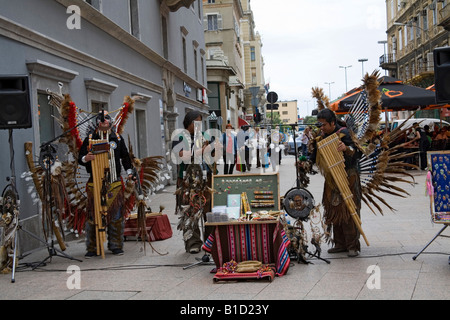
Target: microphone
{"x":102,"y":116}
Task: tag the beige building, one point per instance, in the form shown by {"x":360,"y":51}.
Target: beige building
{"x":287,"y":110}
{"x":414,"y":29}
{"x":233,"y":61}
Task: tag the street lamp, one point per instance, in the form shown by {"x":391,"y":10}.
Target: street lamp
{"x":345,"y":76}
{"x":362,"y":63}
{"x":329,"y":88}
{"x":307,"y":106}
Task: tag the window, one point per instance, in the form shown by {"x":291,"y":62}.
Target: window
{"x":164,"y":37}
{"x":199,"y":8}
{"x":252,"y":54}
{"x":46,"y":116}
{"x":212,"y":22}
{"x":254,"y":79}
{"x":433,"y":7}
{"x":184,"y":56}
{"x":203,"y":68}
{"x":214,"y":96}
{"x":195,"y":64}
{"x":211,"y":1}
{"x":98,"y":106}
{"x":134,"y":18}
{"x":425,"y":19}
{"x":405,"y":37}
{"x":141,"y":130}
{"x":418,"y":31}
{"x":94,"y":3}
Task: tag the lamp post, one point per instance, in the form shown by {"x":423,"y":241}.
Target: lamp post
{"x":329,"y":88}
{"x":342,"y":67}
{"x":362,"y":63}
{"x":307,"y":106}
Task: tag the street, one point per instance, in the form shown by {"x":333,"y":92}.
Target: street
{"x":383,"y":270}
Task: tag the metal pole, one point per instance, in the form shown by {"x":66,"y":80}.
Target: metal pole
{"x":362,"y":63}
{"x":346,"y":90}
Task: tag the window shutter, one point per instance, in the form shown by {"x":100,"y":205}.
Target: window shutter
{"x":219,"y":22}
{"x":205,"y":22}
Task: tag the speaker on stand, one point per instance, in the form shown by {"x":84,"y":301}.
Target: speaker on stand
{"x":441,"y":58}
{"x":15,"y":113}
{"x":15,"y":107}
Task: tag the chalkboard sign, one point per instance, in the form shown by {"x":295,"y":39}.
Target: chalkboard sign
{"x":438,"y":185}
{"x":262,"y":190}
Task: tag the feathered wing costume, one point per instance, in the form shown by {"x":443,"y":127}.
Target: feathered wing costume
{"x":69,"y":186}
{"x":382,"y":163}
{"x":382,"y":166}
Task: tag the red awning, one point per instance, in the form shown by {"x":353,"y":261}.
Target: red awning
{"x":242,"y":122}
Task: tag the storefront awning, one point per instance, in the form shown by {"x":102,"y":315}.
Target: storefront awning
{"x":242,"y":122}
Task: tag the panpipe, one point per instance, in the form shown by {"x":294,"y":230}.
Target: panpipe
{"x":100,"y":177}
{"x":334,"y":160}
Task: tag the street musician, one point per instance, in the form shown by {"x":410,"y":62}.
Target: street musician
{"x":104,"y":153}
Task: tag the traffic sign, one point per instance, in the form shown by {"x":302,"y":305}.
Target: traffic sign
{"x":272,"y":97}
{"x":272,"y":106}
{"x":254,"y":91}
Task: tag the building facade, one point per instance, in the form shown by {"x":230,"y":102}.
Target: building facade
{"x":287,"y":110}
{"x":224,"y":60}
{"x":414,"y":29}
{"x":253,"y":64}
{"x":234,"y":62}
{"x":101,"y":51}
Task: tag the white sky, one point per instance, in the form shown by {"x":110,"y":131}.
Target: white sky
{"x":305,"y":42}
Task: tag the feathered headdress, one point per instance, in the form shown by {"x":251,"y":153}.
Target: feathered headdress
{"x":322,"y":100}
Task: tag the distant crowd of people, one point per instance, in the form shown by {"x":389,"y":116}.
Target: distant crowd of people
{"x":423,"y":140}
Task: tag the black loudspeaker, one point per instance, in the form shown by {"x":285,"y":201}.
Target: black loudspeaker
{"x":15,"y":107}
{"x":442,"y":74}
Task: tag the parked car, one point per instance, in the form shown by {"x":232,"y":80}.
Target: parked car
{"x":421,"y":121}
{"x":298,"y":141}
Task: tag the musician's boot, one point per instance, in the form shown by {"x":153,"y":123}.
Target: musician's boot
{"x":115,"y":236}
{"x":91,"y":244}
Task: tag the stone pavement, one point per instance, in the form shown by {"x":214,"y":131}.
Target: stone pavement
{"x":158,"y":273}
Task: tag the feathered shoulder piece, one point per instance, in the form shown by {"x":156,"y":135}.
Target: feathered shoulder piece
{"x":322,"y":100}
{"x":374,"y":109}
{"x":363,"y":117}
{"x":69,"y":115}
{"x":124,"y":113}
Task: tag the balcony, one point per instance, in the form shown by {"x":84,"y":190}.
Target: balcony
{"x":444,"y":15}
{"x":388,"y":62}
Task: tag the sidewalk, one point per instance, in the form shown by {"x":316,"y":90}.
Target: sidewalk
{"x":157,"y":272}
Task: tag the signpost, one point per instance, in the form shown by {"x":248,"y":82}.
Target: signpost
{"x":272,"y":97}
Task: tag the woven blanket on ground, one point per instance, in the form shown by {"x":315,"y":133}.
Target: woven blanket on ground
{"x":267,"y":243}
